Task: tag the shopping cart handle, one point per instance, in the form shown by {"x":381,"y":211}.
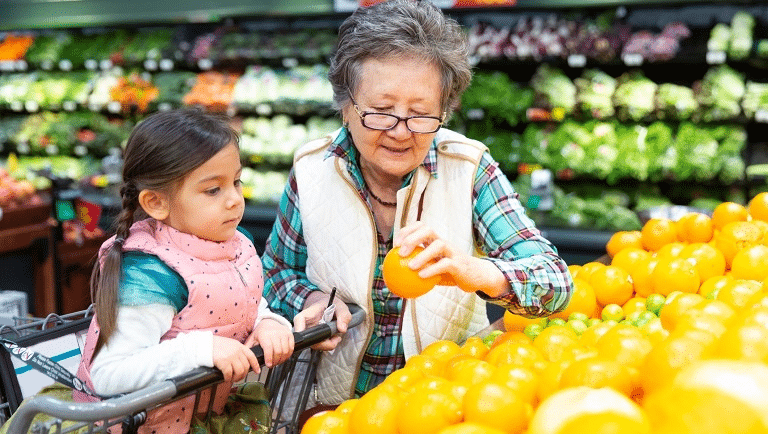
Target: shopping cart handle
{"x":316,"y":334}
{"x":202,"y":377}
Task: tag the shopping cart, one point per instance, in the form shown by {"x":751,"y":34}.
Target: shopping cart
{"x":288,"y":384}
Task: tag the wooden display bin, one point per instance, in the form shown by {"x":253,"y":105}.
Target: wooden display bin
{"x":75,"y":265}
{"x":31,"y":228}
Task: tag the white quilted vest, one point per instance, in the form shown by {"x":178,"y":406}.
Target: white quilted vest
{"x":340,"y":236}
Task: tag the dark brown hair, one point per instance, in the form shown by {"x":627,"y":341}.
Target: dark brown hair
{"x":161,"y":150}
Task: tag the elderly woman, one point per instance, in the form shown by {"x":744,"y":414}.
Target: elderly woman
{"x":392,"y":176}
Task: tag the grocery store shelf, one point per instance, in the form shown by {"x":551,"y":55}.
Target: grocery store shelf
{"x":549,"y":4}
{"x":574,"y":245}
{"x":47,"y":14}
{"x":50,"y":14}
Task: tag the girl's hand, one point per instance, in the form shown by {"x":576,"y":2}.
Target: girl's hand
{"x":469,"y":273}
{"x":233,"y":359}
{"x":275,"y":339}
{"x":313,"y":312}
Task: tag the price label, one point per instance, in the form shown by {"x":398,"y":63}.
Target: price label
{"x":164,"y":107}
{"x":21,"y":65}
{"x":17,"y":106}
{"x":65,"y":65}
{"x":69,"y":106}
{"x":475,"y":114}
{"x":290,"y":62}
{"x":150,"y":65}
{"x":46,"y":65}
{"x":474,"y":60}
{"x":94,"y":106}
{"x":6,"y":65}
{"x":761,"y":116}
{"x":91,"y":64}
{"x":632,"y":59}
{"x":31,"y":106}
{"x":105,"y":64}
{"x":231,"y":111}
{"x":52,"y":150}
{"x":80,"y":150}
{"x":715,"y":57}
{"x":22,"y":148}
{"x":205,"y":64}
{"x":264,"y":109}
{"x":146,"y":76}
{"x":577,"y":60}
{"x":114,"y":107}
{"x":166,"y":64}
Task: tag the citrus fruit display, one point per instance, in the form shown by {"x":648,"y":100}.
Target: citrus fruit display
{"x":657,"y":232}
{"x":712,"y":397}
{"x":401,"y":279}
{"x":622,"y":240}
{"x":585,"y":410}
{"x":728,"y":212}
{"x":666,"y":336}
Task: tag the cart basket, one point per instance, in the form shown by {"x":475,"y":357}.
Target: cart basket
{"x":130,"y":409}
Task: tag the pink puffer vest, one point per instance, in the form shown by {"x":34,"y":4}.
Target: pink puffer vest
{"x":225,"y":281}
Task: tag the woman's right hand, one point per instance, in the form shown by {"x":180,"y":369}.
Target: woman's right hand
{"x":313,"y":313}
{"x":233,"y":358}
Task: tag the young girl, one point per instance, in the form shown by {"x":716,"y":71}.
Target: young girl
{"x":179,"y":286}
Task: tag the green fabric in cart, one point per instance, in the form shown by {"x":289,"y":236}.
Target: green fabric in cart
{"x":246,"y":411}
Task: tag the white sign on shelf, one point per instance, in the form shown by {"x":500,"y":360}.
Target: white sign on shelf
{"x":577,"y":60}
{"x":166,"y":64}
{"x":65,"y":65}
{"x":205,"y":64}
{"x":46,"y":65}
{"x":264,"y":109}
{"x":21,"y":65}
{"x":150,"y":65}
{"x":716,"y":57}
{"x":164,"y":107}
{"x":31,"y":106}
{"x":290,"y":62}
{"x":91,"y":64}
{"x":114,"y":107}
{"x":69,"y":106}
{"x":105,"y":64}
{"x":761,"y":116}
{"x":632,"y":59}
{"x":17,"y":106}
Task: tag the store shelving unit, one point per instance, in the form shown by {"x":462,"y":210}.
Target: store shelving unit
{"x":189,"y":19}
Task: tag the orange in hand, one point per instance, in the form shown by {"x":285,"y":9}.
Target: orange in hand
{"x":401,"y":279}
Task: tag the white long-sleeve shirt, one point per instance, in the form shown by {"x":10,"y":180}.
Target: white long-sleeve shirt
{"x":134,"y":357}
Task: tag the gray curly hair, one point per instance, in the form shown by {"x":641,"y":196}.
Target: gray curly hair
{"x":401,"y":28}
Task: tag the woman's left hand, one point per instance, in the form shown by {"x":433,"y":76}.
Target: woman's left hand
{"x":458,"y":268}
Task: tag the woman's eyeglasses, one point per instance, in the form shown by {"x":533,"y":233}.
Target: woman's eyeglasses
{"x":386,"y":121}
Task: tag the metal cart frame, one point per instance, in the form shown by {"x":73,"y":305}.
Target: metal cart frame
{"x":130,"y":410}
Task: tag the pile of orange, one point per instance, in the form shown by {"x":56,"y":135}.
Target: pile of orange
{"x":670,"y":337}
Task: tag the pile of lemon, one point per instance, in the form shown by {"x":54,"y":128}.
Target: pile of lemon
{"x":669,"y":337}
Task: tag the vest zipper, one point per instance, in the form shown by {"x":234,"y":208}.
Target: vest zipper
{"x":242,"y":279}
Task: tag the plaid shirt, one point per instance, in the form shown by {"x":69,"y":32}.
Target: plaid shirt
{"x":540,"y":281}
